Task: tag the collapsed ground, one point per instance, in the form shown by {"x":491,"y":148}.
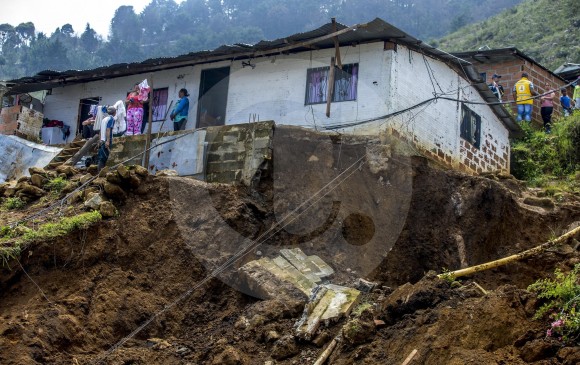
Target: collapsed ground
{"x":102,"y":283}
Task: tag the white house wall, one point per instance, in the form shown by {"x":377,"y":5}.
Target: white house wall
{"x":435,"y":128}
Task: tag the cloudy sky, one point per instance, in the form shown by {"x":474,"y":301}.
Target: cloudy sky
{"x":47,"y":15}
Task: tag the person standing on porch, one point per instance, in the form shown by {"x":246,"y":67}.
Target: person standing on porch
{"x":576,"y":95}
{"x":181,"y":111}
{"x":106,"y":137}
{"x":523,"y":91}
{"x":134,"y":112}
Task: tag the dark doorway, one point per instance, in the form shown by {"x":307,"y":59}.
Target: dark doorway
{"x":213,"y":97}
{"x":84,"y":109}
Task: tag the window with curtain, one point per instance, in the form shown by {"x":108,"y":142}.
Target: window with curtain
{"x":345,"y":84}
{"x":470,"y":126}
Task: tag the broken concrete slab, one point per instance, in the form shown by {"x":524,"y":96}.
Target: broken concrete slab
{"x":266,"y":285}
{"x":308,"y":265}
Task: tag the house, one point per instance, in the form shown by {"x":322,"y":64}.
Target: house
{"x":510,"y":63}
{"x":568,"y":71}
{"x":383,"y":80}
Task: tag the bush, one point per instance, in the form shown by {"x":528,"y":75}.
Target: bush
{"x":56,"y":184}
{"x":562,"y":304}
{"x":13,"y":203}
{"x":538,"y":157}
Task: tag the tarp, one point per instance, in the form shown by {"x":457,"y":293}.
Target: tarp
{"x":18,"y":155}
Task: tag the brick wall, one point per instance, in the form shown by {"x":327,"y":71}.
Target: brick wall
{"x":19,"y":120}
{"x":511,"y":72}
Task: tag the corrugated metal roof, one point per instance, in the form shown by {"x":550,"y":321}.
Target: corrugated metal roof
{"x":376,"y":30}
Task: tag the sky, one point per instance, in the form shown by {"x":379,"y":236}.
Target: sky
{"x":47,"y":15}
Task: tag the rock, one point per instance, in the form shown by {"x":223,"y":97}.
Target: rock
{"x":540,"y":202}
{"x":22,"y":179}
{"x":37,"y":170}
{"x":77,"y":196}
{"x":357,"y":331}
{"x":93,"y":170}
{"x":62,"y":176}
{"x":140,"y":170}
{"x":38,"y":180}
{"x":88,"y":192}
{"x":229,"y":356}
{"x":70,"y":187}
{"x":94,"y":201}
{"x":9,"y":192}
{"x":133,"y":181}
{"x":285,"y":348}
{"x":123,"y":172}
{"x":322,"y":339}
{"x":379,"y":323}
{"x":99,"y":181}
{"x":569,"y":355}
{"x":271,"y":336}
{"x":85,"y":178}
{"x":3,"y":188}
{"x":166,"y":173}
{"x":68,"y":170}
{"x":158,"y":343}
{"x":114,"y":191}
{"x":113,"y":177}
{"x":31,"y":190}
{"x":107,"y":209}
{"x":364,"y":285}
{"x":538,"y":350}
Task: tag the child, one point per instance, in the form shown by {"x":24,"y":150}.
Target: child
{"x":566,"y":102}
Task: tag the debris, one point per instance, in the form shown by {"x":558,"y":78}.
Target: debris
{"x":271,"y":336}
{"x":107,"y":209}
{"x":229,"y":356}
{"x":38,"y":180}
{"x":94,"y":201}
{"x":327,"y":352}
{"x":410,"y":357}
{"x":379,"y":323}
{"x":114,"y":191}
{"x":166,"y":173}
{"x":358,"y":331}
{"x":285,"y":348}
{"x":364,"y":285}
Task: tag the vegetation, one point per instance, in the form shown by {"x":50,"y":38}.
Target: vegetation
{"x":549,"y":160}
{"x":56,"y":185}
{"x":13,"y":239}
{"x":562,"y":307}
{"x":165,"y":28}
{"x":548,"y":31}
{"x":13,"y":203}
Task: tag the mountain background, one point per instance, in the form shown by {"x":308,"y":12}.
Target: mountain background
{"x":166,"y":29}
{"x":546,"y":30}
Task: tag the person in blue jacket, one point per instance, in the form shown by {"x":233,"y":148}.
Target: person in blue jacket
{"x":180,"y":112}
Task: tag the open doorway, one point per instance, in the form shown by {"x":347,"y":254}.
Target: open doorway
{"x":213,"y":97}
{"x":85,"y":106}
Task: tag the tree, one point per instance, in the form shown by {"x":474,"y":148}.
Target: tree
{"x":125,"y":25}
{"x":89,"y":41}
{"x":67,"y":29}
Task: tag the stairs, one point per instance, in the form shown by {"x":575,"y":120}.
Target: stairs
{"x":69,"y":151}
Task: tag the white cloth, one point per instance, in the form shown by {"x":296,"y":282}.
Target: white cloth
{"x":103,"y":127}
{"x":120,"y":122}
{"x":99,"y":118}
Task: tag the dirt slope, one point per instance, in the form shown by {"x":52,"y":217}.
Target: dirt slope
{"x":103,"y":283}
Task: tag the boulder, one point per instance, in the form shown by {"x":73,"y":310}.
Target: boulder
{"x":133,"y":181}
{"x":94,"y":201}
{"x":114,"y":191}
{"x":31,"y":190}
{"x":68,"y":170}
{"x":38,"y":180}
{"x":77,"y":196}
{"x":93,"y":170}
{"x":166,"y":173}
{"x":113,"y":177}
{"x":37,"y":170}
{"x":123,"y":172}
{"x":70,"y":187}
{"x":140,"y":170}
{"x":22,"y":179}
{"x":85,"y":178}
{"x":356,"y":331}
{"x":107,"y":209}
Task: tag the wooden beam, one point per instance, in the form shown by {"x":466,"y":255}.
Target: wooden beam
{"x":149,"y":124}
{"x":336,"y":45}
{"x":330,"y":87}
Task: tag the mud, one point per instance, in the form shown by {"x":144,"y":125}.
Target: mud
{"x":93,"y":288}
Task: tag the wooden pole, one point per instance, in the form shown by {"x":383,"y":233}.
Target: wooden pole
{"x":330,"y":86}
{"x":83,"y":151}
{"x":506,"y":260}
{"x":336,"y":45}
{"x":149,"y":124}
{"x":410,"y":357}
{"x":326,"y":353}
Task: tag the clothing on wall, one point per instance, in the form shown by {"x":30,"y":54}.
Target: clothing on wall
{"x":120,"y":126}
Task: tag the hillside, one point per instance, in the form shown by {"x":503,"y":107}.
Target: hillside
{"x":548,"y":31}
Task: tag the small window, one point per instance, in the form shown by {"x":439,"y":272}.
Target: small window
{"x":160,"y":97}
{"x":345,"y":84}
{"x":470,"y":126}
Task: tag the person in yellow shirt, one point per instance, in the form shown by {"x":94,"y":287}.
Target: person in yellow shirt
{"x":576,"y":95}
{"x":523,"y":91}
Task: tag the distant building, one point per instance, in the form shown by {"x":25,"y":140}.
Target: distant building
{"x":568,"y":71}
{"x":387,"y":84}
{"x":510,"y":63}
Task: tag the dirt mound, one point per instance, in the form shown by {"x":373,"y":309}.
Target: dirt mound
{"x":97,"y":286}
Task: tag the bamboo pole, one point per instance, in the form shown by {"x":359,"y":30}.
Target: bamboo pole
{"x":330,"y":85}
{"x":326,"y":353}
{"x":83,"y":151}
{"x":506,"y":260}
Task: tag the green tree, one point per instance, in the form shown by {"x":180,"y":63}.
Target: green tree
{"x":89,"y":40}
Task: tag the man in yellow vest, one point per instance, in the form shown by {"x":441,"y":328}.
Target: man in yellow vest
{"x":576,"y":95}
{"x":523,"y":91}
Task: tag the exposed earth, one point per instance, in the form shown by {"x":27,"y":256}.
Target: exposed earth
{"x":73,"y":299}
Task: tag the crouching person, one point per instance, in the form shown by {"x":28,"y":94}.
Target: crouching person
{"x":106,"y":141}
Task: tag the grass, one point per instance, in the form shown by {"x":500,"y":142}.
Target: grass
{"x":12,"y":240}
{"x":57,"y":184}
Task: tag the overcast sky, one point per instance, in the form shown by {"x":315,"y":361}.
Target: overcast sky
{"x":47,"y":15}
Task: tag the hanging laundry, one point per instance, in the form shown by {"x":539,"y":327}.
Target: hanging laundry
{"x":120,"y":126}
{"x":93,"y":110}
{"x":144,"y":91}
{"x":101,"y":113}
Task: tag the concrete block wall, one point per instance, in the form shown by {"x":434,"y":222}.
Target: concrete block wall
{"x":511,"y":72}
{"x":434,"y":130}
{"x":235,"y":153}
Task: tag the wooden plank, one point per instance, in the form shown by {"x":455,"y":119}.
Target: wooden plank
{"x":149,"y":124}
{"x":336,"y":45}
{"x":330,"y":86}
